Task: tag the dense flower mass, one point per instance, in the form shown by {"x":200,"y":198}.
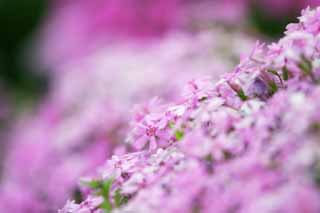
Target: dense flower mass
{"x":149,"y":110}
{"x":247,"y":143}
{"x":86,"y":114}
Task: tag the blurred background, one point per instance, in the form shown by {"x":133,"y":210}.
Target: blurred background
{"x":23,"y":83}
{"x":22,"y":21}
{"x":42,"y":42}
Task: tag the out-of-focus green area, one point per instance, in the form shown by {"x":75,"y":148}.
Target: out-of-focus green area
{"x":267,"y":23}
{"x":19,"y":19}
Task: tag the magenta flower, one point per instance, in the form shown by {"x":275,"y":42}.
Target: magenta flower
{"x":256,"y":129}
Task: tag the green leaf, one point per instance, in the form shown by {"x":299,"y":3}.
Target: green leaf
{"x":105,"y":192}
{"x":273,"y":72}
{"x":179,"y":134}
{"x":273,"y":87}
{"x":305,"y":66}
{"x":93,"y":184}
{"x":241,"y":95}
{"x":106,"y":206}
{"x":119,"y":199}
{"x":106,"y":186}
{"x":285,"y":73}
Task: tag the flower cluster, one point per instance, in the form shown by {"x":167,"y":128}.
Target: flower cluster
{"x":247,"y":143}
{"x":85,"y":116}
{"x":208,"y":135}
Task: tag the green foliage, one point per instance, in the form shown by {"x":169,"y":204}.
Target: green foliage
{"x":103,"y":188}
{"x":179,"y":135}
{"x":120,"y":199}
{"x":19,"y":19}
{"x":241,"y":95}
{"x":285,"y":73}
{"x":273,"y":88}
{"x":305,"y":66}
{"x":105,"y":192}
{"x":266,"y":22}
